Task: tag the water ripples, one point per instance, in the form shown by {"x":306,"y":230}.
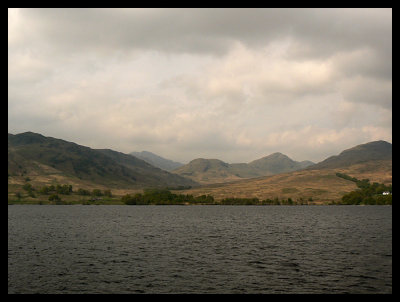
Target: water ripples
{"x":199,"y":249}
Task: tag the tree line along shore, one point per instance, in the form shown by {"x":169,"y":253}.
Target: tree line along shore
{"x":62,"y":194}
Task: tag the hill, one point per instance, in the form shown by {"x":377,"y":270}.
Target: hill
{"x":277,"y":163}
{"x":208,"y":171}
{"x":377,"y":150}
{"x":50,"y":159}
{"x":157,"y":161}
{"x":320,"y":186}
{"x":318,"y":183}
{"x":47,"y":160}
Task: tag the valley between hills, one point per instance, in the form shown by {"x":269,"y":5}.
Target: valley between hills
{"x":37,"y":161}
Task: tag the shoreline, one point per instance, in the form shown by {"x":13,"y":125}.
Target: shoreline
{"x":188,"y":204}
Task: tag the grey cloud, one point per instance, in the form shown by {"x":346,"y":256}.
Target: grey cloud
{"x":366,"y":90}
{"x":363,"y":61}
{"x":211,"y":30}
{"x":224,"y":83}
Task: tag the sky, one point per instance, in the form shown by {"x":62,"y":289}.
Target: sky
{"x":231,"y":84}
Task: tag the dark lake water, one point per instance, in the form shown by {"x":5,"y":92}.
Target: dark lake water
{"x":199,"y":249}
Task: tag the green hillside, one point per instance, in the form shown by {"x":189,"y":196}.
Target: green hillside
{"x":32,"y":153}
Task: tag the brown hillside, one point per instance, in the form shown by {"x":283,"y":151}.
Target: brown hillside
{"x":322,"y":186}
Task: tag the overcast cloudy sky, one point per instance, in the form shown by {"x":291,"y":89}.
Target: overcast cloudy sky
{"x":232,"y":84}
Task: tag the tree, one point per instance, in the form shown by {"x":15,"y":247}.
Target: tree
{"x":107,"y":193}
{"x":83,"y":192}
{"x":27,"y":187}
{"x":96,"y":192}
{"x":64,"y":189}
{"x":276,"y":201}
{"x":54,"y":197}
{"x":132,"y":200}
{"x":18,"y":195}
{"x":354,"y":197}
{"x":44,"y":190}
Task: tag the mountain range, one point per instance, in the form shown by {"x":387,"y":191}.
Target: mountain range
{"x":206,"y":171}
{"x":320,"y":183}
{"x":47,"y":160}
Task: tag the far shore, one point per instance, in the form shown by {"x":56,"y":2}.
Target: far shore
{"x":116,"y":202}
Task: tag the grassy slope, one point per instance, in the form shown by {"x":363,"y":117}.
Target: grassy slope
{"x":321,"y":185}
{"x":47,"y":160}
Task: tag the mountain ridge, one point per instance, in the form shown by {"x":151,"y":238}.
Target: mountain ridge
{"x":53,"y":159}
{"x":157,"y":161}
{"x":206,"y":171}
{"x":319,"y":182}
{"x":375,"y":150}
{"x":35,"y":152}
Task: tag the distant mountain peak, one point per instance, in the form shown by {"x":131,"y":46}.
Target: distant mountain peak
{"x":215,"y":170}
{"x":26,"y":138}
{"x":200,"y":159}
{"x":276,"y":155}
{"x":157,"y":161}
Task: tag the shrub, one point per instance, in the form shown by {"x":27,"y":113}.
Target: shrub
{"x":132,"y":200}
{"x":107,"y":193}
{"x":27,"y":187}
{"x":63,"y":189}
{"x":44,"y":190}
{"x":83,"y":192}
{"x":54,"y":197}
{"x":97,"y":192}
